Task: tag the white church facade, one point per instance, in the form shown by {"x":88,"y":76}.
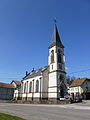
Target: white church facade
{"x":49,"y":82}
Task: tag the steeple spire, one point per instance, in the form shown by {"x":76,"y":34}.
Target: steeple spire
{"x":55,"y":20}
{"x":56,"y":38}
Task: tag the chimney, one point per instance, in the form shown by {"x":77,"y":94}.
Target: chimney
{"x":26,"y":73}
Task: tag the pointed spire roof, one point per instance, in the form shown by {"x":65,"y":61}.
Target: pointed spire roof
{"x":56,"y":39}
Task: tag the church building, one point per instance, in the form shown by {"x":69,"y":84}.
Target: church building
{"x":49,"y":82}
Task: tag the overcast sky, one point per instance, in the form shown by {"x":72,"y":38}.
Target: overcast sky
{"x":26,"y":28}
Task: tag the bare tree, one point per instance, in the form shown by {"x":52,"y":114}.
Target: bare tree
{"x":70,"y":79}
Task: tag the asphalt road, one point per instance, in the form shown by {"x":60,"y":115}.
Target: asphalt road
{"x":47,"y":112}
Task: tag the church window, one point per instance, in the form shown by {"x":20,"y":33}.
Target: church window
{"x":37,"y":86}
{"x":52,"y":67}
{"x":30,"y":87}
{"x":52,"y":56}
{"x":25,"y":88}
{"x":22,"y":86}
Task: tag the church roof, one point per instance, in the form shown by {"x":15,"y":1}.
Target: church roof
{"x":56,"y":38}
{"x":35,"y":73}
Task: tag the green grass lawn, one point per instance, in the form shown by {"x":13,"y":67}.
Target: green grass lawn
{"x":9,"y":117}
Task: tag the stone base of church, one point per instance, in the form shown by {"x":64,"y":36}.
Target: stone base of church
{"x":36,"y":99}
{"x":23,"y":98}
{"x":44,"y":101}
{"x":52,"y":99}
{"x":30,"y":99}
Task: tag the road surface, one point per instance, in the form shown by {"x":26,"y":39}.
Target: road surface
{"x":77,"y":111}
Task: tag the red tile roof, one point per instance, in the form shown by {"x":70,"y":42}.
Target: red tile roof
{"x":17,"y":82}
{"x":79,"y":82}
{"x":5,"y":85}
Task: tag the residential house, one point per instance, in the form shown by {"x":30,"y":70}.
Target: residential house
{"x":79,"y":87}
{"x":6,"y":91}
{"x":17,"y":91}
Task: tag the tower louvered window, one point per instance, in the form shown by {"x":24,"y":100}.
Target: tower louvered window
{"x":60,"y":57}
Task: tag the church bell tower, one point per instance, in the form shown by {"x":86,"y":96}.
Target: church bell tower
{"x":56,"y":60}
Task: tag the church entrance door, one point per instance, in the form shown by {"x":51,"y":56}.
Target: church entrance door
{"x":61,"y":93}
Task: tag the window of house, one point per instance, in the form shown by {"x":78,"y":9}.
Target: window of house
{"x":37,"y":86}
{"x":52,"y":56}
{"x":86,"y":88}
{"x":30,"y":87}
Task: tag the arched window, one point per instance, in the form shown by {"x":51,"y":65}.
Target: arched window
{"x":22,"y":87}
{"x":37,"y":86}
{"x":52,"y":56}
{"x":25,"y":88}
{"x":30,"y":87}
{"x":59,"y":58}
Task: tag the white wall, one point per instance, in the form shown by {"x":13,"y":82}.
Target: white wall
{"x":54,"y":74}
{"x":52,"y":85}
{"x":75,"y":90}
{"x":33,"y":80}
{"x":14,"y":84}
{"x":15,"y":93}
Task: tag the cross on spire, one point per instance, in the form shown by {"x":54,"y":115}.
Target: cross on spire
{"x":55,"y":20}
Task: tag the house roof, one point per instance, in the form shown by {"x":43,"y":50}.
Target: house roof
{"x":56,"y":38}
{"x":35,"y":73}
{"x":78,"y":82}
{"x":17,"y":82}
{"x":5,"y":85}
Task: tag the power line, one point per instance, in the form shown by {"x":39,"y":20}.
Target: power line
{"x":10,"y":78}
{"x":68,"y":73}
{"x":79,"y":71}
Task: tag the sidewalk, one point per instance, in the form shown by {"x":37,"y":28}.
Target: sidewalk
{"x":86,"y":101}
